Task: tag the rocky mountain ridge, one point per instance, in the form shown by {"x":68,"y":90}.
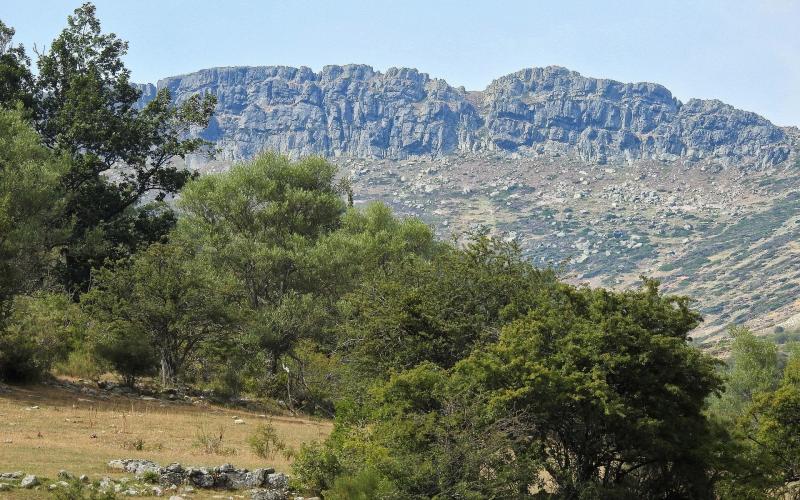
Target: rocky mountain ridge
{"x":356,"y":111}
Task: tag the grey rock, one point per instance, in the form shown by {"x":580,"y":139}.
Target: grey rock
{"x":11,"y":475}
{"x":65,"y":475}
{"x":201,"y":478}
{"x":355,"y":111}
{"x":106,"y":484}
{"x":173,"y":474}
{"x":168,"y":478}
{"x":29,"y":481}
{"x":245,"y":480}
{"x":278,"y":480}
{"x":135,"y":466}
{"x":269,"y":495}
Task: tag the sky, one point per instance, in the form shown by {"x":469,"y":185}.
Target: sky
{"x":745,"y":53}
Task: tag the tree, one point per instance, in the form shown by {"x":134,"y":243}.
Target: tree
{"x":584,"y":394}
{"x":88,"y":110}
{"x":753,"y":367}
{"x":601,"y":390}
{"x":437,"y":309}
{"x":258,"y":222}
{"x":762,"y":407}
{"x":129,"y":353}
{"x":772,"y":425}
{"x":165,"y":296}
{"x":16,"y":80}
{"x":32,"y":222}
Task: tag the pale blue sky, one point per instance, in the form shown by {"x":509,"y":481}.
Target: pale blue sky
{"x":746,"y":53}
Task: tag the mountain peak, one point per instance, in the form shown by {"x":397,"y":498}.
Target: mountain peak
{"x":354,"y":110}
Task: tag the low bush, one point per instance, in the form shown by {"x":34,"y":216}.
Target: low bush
{"x":212,"y":443}
{"x":265,"y":443}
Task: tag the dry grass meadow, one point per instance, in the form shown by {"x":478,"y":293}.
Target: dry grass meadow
{"x":81,"y":434}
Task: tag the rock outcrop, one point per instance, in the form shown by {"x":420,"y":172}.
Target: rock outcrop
{"x":356,"y":111}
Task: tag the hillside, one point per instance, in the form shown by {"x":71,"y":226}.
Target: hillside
{"x":610,"y":180}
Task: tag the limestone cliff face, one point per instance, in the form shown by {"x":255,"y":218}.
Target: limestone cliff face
{"x":343,"y":110}
{"x":356,"y":111}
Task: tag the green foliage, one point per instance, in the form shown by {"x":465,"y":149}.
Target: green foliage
{"x":753,"y":367}
{"x":257,"y":223}
{"x":80,"y":491}
{"x":259,"y":218}
{"x":601,"y":389}
{"x":316,"y":466}
{"x":366,"y":485}
{"x":212,"y":443}
{"x":164,"y":298}
{"x":772,"y":424}
{"x":582,"y":391}
{"x":81,"y":362}
{"x":16,"y":80}
{"x":31,"y":208}
{"x":265,"y":442}
{"x":760,"y":406}
{"x":438,"y":309}
{"x":150,"y":476}
{"x":87,"y":109}
{"x":38,"y":332}
{"x":129,"y":354}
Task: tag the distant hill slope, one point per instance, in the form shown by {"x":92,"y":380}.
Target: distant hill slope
{"x":355,"y":111}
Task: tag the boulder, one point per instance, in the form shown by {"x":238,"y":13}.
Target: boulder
{"x":29,"y":481}
{"x":269,"y":495}
{"x":278,"y":480}
{"x":201,"y":478}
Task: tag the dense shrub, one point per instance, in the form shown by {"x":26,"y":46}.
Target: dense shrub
{"x":37,"y":333}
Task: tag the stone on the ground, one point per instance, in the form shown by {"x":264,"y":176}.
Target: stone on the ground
{"x":201,"y":478}
{"x":106,"y":484}
{"x":29,"y":481}
{"x":134,"y":466}
{"x":225,"y":476}
{"x":268,"y":495}
{"x":11,"y":475}
{"x":278,"y":480}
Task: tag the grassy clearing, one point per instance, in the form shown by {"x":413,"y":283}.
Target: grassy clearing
{"x":81,"y":434}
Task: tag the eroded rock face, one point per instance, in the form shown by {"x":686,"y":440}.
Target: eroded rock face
{"x":343,"y":110}
{"x":356,"y":111}
{"x":556,"y":108}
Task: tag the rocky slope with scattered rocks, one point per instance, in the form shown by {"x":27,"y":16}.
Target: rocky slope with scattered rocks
{"x":356,"y":111}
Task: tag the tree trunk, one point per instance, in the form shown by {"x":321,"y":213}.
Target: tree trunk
{"x":167,"y":370}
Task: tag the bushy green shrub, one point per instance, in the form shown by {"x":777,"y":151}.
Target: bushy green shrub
{"x":81,"y":363}
{"x":366,"y":485}
{"x":129,"y":354}
{"x":37,"y":333}
{"x":265,"y":442}
{"x":316,"y":466}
